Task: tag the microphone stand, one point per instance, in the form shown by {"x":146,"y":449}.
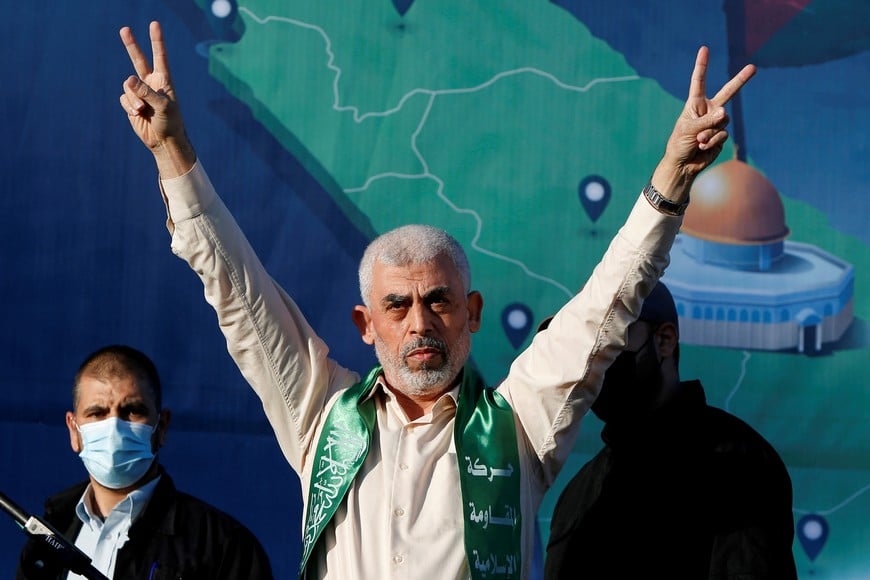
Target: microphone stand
{"x":63,"y":551}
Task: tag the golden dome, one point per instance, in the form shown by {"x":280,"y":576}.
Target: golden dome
{"x":733,"y":203}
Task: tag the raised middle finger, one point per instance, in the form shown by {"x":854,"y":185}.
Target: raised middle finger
{"x":735,"y":84}
{"x":158,"y":50}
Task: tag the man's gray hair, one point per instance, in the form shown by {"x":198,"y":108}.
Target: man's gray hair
{"x":407,"y":245}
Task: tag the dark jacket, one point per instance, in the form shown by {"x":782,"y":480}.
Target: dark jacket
{"x":184,"y":536}
{"x":689,"y":492}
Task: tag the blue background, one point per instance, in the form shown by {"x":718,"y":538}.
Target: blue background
{"x":84,"y":252}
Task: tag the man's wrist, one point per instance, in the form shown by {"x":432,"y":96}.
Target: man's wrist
{"x":663,"y":204}
{"x":174,"y":157}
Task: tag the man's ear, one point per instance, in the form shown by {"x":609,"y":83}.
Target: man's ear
{"x":475,"y":310}
{"x":75,"y":438}
{"x":162,"y":429}
{"x":666,"y":339}
{"x":363,"y":320}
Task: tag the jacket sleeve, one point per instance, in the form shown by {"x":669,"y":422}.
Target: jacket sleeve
{"x":276,"y":350}
{"x":35,"y":563}
{"x":39,"y":562}
{"x":554,"y":381}
{"x":754,"y":512}
{"x":243,"y":557}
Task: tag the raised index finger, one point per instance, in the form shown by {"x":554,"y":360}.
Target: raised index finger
{"x":158,"y":50}
{"x":698,"y":86}
{"x":140,"y":63}
{"x":735,"y":84}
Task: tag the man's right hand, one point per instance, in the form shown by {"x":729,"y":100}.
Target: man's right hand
{"x":699,"y":132}
{"x":152,"y":107}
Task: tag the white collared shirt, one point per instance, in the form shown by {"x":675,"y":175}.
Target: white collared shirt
{"x":405,"y":497}
{"x":102,"y":539}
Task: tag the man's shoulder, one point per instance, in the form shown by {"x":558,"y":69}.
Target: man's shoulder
{"x":196,"y":513}
{"x":174,"y":520}
{"x":180,"y":511}
{"x":731,"y":427}
{"x":723,"y":425}
{"x":65,"y":500}
{"x":198,"y":505}
{"x":736,"y":443}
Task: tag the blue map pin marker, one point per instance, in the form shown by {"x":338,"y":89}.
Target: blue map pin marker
{"x":402,"y":6}
{"x":220,"y":16}
{"x":516,"y":319}
{"x":594,"y":192}
{"x":812,"y":532}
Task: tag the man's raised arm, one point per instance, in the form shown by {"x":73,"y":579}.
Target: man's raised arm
{"x":553,"y":382}
{"x":274,"y":347}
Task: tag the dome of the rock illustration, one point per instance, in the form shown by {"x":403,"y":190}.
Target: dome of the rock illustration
{"x":733,"y":203}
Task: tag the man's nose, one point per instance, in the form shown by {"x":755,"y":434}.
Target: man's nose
{"x":420,"y":319}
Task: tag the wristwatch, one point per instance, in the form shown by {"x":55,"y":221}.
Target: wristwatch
{"x":662,"y":204}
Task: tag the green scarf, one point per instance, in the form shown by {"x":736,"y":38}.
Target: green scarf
{"x":489,"y":474}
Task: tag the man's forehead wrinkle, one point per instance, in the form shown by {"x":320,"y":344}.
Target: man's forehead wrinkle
{"x":104,"y":392}
{"x":112,"y":398}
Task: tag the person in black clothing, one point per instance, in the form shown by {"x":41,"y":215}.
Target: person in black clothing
{"x":681,"y":489}
{"x":128,"y":517}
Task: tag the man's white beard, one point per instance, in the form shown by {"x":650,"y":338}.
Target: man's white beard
{"x":423,"y":381}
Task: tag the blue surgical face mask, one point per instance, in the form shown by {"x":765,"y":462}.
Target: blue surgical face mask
{"x":116,"y":453}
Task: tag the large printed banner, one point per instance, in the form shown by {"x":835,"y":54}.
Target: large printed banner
{"x":526,"y":128}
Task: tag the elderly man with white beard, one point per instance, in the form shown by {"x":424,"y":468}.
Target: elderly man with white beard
{"x":418,"y":470}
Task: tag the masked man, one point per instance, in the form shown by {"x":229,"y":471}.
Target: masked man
{"x":681,"y":489}
{"x":129,"y":518}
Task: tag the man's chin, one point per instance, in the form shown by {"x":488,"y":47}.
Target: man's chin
{"x":426,"y":380}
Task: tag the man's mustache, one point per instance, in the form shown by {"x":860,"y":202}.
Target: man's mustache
{"x":425,"y":342}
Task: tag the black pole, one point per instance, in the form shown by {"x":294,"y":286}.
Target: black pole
{"x":735,"y":21}
{"x":62,"y":551}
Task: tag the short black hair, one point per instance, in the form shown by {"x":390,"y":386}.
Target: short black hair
{"x":119,"y":360}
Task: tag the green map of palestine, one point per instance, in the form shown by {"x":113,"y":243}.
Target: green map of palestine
{"x":483,"y":118}
{"x":451,"y":121}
